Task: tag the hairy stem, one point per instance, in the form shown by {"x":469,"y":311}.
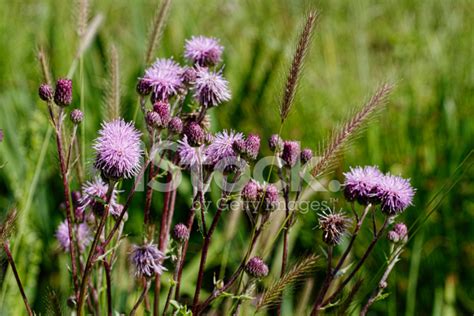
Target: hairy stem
{"x":141,"y":298}
{"x":108,"y":287}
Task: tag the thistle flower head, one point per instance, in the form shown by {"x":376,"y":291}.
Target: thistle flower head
{"x":189,"y":156}
{"x":399,"y":233}
{"x":252,"y":146}
{"x":163,"y":109}
{"x":45,"y":92}
{"x":77,"y":116}
{"x":334,"y":226}
{"x":256,"y":267}
{"x":63,"y":92}
{"x":189,"y":75}
{"x":175,"y":126}
{"x":362,"y":184}
{"x":93,"y":194}
{"x":180,"y":232}
{"x":118,"y":150}
{"x":222,"y":146}
{"x":203,"y":51}
{"x":306,"y":155}
{"x":147,"y":260}
{"x":194,"y":133}
{"x":395,"y":194}
{"x":291,"y":153}
{"x":83,"y":236}
{"x":210,"y":88}
{"x":275,"y":143}
{"x":239,"y":146}
{"x":271,"y":197}
{"x":164,"y":78}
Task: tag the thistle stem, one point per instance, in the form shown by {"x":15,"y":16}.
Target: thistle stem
{"x":92,"y":252}
{"x":108,"y":288}
{"x":17,"y":277}
{"x":141,"y":298}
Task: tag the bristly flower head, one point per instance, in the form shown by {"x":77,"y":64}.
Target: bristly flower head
{"x":83,"y":236}
{"x":63,"y":92}
{"x":251,"y":195}
{"x":175,"y":126}
{"x":306,"y":155}
{"x":147,"y":260}
{"x":222,"y":146}
{"x":256,"y":267}
{"x":334,"y":226}
{"x":275,"y":143}
{"x":45,"y":92}
{"x":144,"y":87}
{"x":210,"y":88}
{"x":395,"y":194}
{"x":194,"y":132}
{"x":180,"y":232}
{"x":399,"y":233}
{"x":190,"y":156}
{"x":291,"y":153}
{"x":93,"y":192}
{"x":203,"y":51}
{"x":271,"y":197}
{"x":77,"y":116}
{"x":362,"y":184}
{"x":252,"y":146}
{"x":164,"y":78}
{"x":163,"y":109}
{"x":118,"y":150}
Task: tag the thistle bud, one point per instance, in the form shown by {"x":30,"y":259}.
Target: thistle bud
{"x":163,"y":109}
{"x":45,"y":92}
{"x":306,"y":155}
{"x":195,"y":133}
{"x":239,"y":146}
{"x":180,"y":232}
{"x":252,"y":146}
{"x":291,"y":153}
{"x":77,"y":116}
{"x":399,"y":233}
{"x":143,"y":87}
{"x":275,"y":143}
{"x":175,"y":125}
{"x":63,"y":92}
{"x":256,"y":267}
{"x":271,"y":198}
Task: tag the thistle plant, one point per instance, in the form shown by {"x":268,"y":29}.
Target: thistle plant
{"x":172,"y":135}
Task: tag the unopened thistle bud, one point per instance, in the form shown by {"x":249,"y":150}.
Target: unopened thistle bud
{"x":175,"y":126}
{"x":153,"y":119}
{"x":271,"y":197}
{"x":239,"y":146}
{"x":399,"y":233}
{"x":180,"y":232}
{"x":63,"y":92}
{"x":163,"y":109}
{"x":252,"y":146}
{"x":45,"y":92}
{"x":195,"y":133}
{"x":256,"y":267}
{"x":275,"y":143}
{"x":77,"y":116}
{"x":144,"y":87}
{"x":306,"y":155}
{"x":189,"y":75}
{"x":291,"y":153}
{"x":334,"y":226}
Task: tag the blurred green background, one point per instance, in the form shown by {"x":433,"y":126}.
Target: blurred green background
{"x":426,"y":47}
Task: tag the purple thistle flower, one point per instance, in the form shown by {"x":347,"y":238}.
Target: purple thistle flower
{"x":45,"y":92}
{"x":271,"y":197}
{"x":239,"y":146}
{"x":256,"y":267}
{"x":398,"y":233}
{"x":175,"y":126}
{"x":252,"y":146}
{"x":164,"y":78}
{"x":251,"y":195}
{"x":203,"y":51}
{"x":306,"y":155}
{"x":194,"y":132}
{"x":83,"y":236}
{"x":147,"y":260}
{"x":189,"y":156}
{"x":77,"y":116}
{"x":92,"y":194}
{"x":210,"y":88}
{"x":63,"y":92}
{"x":362,"y":184}
{"x":189,"y":75}
{"x":118,"y":150}
{"x":334,"y":226}
{"x":395,"y":194}
{"x":222,"y":146}
{"x":180,"y":232}
{"x":275,"y":143}
{"x":163,"y":109}
{"x":143,"y":87}
{"x":291,"y":153}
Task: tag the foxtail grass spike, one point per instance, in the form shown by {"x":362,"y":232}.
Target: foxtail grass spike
{"x":350,"y":129}
{"x":82,"y":14}
{"x":297,"y":64}
{"x":159,"y":22}
{"x":112,"y":110}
